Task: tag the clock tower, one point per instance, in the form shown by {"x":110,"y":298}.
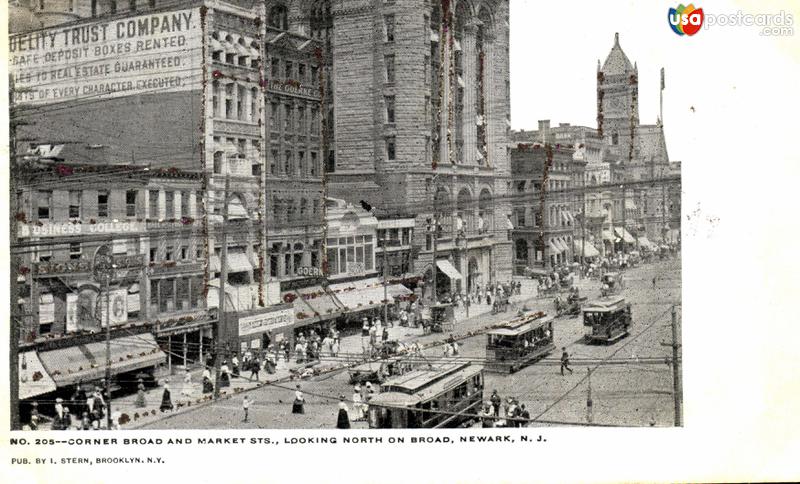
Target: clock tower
{"x":617,"y":102}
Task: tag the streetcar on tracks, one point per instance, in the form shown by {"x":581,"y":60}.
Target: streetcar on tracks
{"x":444,"y":396}
{"x":519,"y":343}
{"x":607,"y":319}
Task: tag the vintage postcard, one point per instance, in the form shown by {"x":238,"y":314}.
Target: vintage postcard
{"x":270,"y":221}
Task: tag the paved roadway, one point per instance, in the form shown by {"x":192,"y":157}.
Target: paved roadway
{"x":633,"y":394}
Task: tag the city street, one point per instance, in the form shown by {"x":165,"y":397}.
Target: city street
{"x":624,"y":392}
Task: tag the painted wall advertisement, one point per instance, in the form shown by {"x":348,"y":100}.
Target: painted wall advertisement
{"x":144,"y":54}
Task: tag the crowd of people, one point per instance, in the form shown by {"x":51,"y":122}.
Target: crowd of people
{"x":497,"y":412}
{"x":85,"y":410}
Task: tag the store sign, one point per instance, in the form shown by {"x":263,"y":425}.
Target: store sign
{"x":309,"y":271}
{"x":117,"y":301}
{"x":69,"y":228}
{"x":292,"y":88}
{"x":82,"y":266}
{"x":160,"y":52}
{"x":261,"y":323}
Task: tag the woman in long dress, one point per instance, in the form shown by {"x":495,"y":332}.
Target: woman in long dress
{"x":141,"y":402}
{"x":357,"y":405}
{"x":299,"y":401}
{"x":166,"y":398}
{"x":343,"y":420}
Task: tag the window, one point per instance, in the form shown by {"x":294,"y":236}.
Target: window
{"x":301,"y":161}
{"x":184,"y":205}
{"x":314,"y":75}
{"x":389,"y":60}
{"x":287,"y":117}
{"x":74,"y":250}
{"x":130,"y":203}
{"x":153,"y":254}
{"x":153,"y":204}
{"x":275,"y":68}
{"x":253,"y":104}
{"x":390,"y":149}
{"x":218,"y":162}
{"x":102,"y":203}
{"x":288,"y":169}
{"x":314,"y":121}
{"x":74,"y":204}
{"x":169,"y":255}
{"x":614,"y":139}
{"x":388,"y":21}
{"x":169,"y":203}
{"x":301,"y":120}
{"x":314,"y":167}
{"x":229,"y":101}
{"x":132,"y":5}
{"x":278,"y":17}
{"x":273,"y":116}
{"x":288,"y":70}
{"x":301,"y":72}
{"x":240,"y":113}
{"x":273,"y":162}
{"x":389,"y":101}
{"x":166,"y":295}
{"x":44,"y":202}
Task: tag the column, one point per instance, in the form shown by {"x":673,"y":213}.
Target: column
{"x":469,"y":55}
{"x":490,"y":99}
{"x":162,"y":205}
{"x":185,"y":363}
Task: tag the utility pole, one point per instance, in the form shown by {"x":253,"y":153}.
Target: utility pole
{"x":385,"y":287}
{"x":435,"y":268}
{"x":677,"y":386}
{"x":665,"y":228}
{"x":623,"y":218}
{"x":108,"y":350}
{"x":223,"y":262}
{"x":589,"y":406}
{"x":583,"y":224}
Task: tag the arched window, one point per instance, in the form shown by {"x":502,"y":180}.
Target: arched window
{"x":614,"y":139}
{"x":303,"y":207}
{"x":218,"y":162}
{"x":465,"y":209}
{"x":521,"y":250}
{"x":278,"y":17}
{"x":485,"y":210}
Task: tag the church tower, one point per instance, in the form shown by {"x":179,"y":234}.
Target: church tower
{"x":618,"y":103}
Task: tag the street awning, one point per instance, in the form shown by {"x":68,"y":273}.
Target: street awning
{"x":33,"y":378}
{"x":588,"y":249}
{"x":553,"y":248}
{"x":449,"y":270}
{"x":624,"y":235}
{"x":216,"y":45}
{"x":398,"y":290}
{"x":241,"y":50}
{"x":87,"y":362}
{"x":358,"y":298}
{"x":563,"y":245}
{"x":607,"y":235}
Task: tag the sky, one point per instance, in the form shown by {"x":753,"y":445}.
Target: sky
{"x":555,"y":47}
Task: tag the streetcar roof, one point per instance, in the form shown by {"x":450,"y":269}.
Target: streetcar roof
{"x":446,"y":384}
{"x":395,"y":399}
{"x":418,"y":381}
{"x":518,"y":327}
{"x":609,"y":303}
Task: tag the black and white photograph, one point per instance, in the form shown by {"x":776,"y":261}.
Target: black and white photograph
{"x":369,"y":215}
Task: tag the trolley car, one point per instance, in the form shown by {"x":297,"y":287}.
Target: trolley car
{"x":519,"y":342}
{"x":449,"y":395}
{"x":607,"y":319}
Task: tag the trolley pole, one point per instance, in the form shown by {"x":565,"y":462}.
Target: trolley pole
{"x":223,"y":261}
{"x":435,"y":268}
{"x":108,"y":350}
{"x":385,"y":287}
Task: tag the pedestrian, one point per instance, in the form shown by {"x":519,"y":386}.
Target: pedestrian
{"x":525,"y":415}
{"x":86,"y":424}
{"x":255,"y":367}
{"x":335,"y":348}
{"x":357,"y":403}
{"x":166,"y":398}
{"x":235,"y":363}
{"x":246,"y":407}
{"x":495,"y":399}
{"x":115,"y":416}
{"x":385,"y":335}
{"x":565,"y":361}
{"x":369,"y":392}
{"x":224,"y":375}
{"x":187,"y":384}
{"x":343,"y":420}
{"x":488,"y":299}
{"x":59,"y":418}
{"x":299,"y":401}
{"x":34,"y":422}
{"x":299,"y":351}
{"x":487,"y":416}
{"x":365,"y":328}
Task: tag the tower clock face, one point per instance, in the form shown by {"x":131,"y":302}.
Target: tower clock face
{"x":616,"y":102}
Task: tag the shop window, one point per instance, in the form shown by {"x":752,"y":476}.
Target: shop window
{"x":44,"y":202}
{"x":75,"y":204}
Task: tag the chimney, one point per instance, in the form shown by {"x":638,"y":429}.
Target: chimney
{"x":544,"y":130}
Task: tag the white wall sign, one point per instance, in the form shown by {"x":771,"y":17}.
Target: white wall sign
{"x":119,"y":307}
{"x":261,"y":323}
{"x":106,"y":59}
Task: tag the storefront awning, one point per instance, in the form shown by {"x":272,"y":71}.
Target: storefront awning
{"x":238,"y":262}
{"x":588,"y":249}
{"x":553,"y":248}
{"x":607,"y":235}
{"x":363,"y":298}
{"x":216,"y":45}
{"x":450,"y":271}
{"x":563,"y":245}
{"x":68,"y":366}
{"x":236,"y":210}
{"x":398,"y":290}
{"x":315,"y":299}
{"x":33,"y":378}
{"x":625,"y":235}
{"x":645,"y":242}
